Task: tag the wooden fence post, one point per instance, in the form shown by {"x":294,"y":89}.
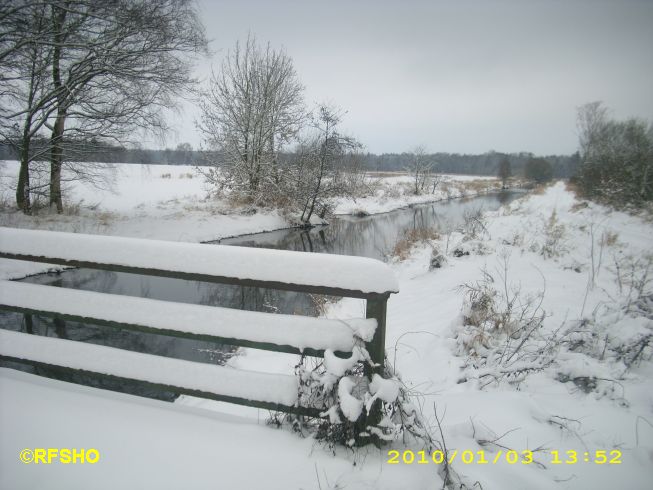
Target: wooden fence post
{"x":376,"y":308}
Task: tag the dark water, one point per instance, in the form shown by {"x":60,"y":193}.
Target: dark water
{"x":372,"y":236}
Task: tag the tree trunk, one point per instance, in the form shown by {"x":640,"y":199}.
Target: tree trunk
{"x":22,"y":190}
{"x":56,"y":162}
{"x":56,"y":141}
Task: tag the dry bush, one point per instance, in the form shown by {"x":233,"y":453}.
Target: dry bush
{"x":478,"y":186}
{"x":322,"y":302}
{"x":501,"y":335}
{"x":577,"y":206}
{"x":411,"y":237}
{"x":446,"y":188}
{"x":609,"y":238}
{"x":237,"y":199}
{"x":166,"y":176}
{"x":474,"y":224}
{"x":73,"y":209}
{"x":390,"y":191}
{"x":572,"y":186}
{"x":554,"y":237}
{"x":105,"y":218}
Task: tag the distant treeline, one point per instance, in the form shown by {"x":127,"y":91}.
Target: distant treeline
{"x":98,"y":152}
{"x":564,"y":166}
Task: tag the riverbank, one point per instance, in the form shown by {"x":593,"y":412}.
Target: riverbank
{"x":572,"y":280}
{"x":392,"y":192}
{"x":172,"y":203}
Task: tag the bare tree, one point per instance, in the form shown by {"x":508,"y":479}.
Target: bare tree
{"x":251,"y":109}
{"x":113,"y":67}
{"x":591,"y":121}
{"x":505,"y":171}
{"x":116,"y":67}
{"x":319,"y":172}
{"x":420,"y":169}
{"x":25,"y":106}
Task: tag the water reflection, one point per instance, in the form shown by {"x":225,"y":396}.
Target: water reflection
{"x":372,"y":236}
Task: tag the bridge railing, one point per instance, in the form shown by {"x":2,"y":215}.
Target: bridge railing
{"x":282,"y":270}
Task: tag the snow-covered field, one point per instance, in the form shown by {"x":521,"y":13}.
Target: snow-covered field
{"x":145,"y":201}
{"x":573,"y":389}
{"x":171,"y":202}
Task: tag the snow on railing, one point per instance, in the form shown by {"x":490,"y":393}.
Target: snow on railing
{"x":336,"y":275}
{"x":296,"y":271}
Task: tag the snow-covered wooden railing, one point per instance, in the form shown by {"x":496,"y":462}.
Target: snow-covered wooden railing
{"x":295,"y":271}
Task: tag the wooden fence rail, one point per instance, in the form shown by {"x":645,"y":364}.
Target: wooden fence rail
{"x":294,"y":271}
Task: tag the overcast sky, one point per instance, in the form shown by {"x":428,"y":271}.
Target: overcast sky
{"x":456,"y":76}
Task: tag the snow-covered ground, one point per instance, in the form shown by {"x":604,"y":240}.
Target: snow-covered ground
{"x":540,"y":413}
{"x":151,"y":444}
{"x":581,"y":258}
{"x":425,"y":330}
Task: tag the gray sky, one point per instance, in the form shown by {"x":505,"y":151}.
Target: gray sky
{"x":458,"y":75}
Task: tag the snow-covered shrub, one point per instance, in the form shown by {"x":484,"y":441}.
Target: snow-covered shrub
{"x":501,"y":331}
{"x":554,"y":237}
{"x":516,"y":240}
{"x":390,"y":191}
{"x":474,"y":224}
{"x":465,"y":246}
{"x":621,"y":331}
{"x":438,"y":259}
{"x":445,"y":188}
{"x":471,"y":237}
{"x":355,"y":409}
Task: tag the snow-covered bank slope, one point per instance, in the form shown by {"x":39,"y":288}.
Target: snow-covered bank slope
{"x":397,"y":191}
{"x":541,"y":413}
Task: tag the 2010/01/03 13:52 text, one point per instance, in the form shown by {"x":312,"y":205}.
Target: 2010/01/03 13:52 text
{"x":503,"y":456}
